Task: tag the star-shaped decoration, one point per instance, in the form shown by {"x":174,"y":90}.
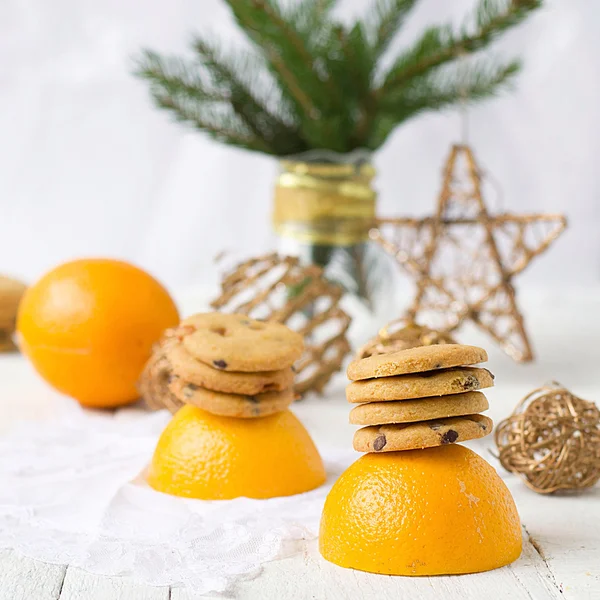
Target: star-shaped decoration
{"x":464,"y":258}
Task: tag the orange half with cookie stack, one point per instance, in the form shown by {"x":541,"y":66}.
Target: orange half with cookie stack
{"x":418,"y":503}
{"x":230,"y":380}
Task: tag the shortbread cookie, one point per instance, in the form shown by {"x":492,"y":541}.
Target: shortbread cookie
{"x":416,"y":360}
{"x":195,"y":371}
{"x":239,"y":343}
{"x":422,"y":409}
{"x":419,"y":385}
{"x":424,"y":434}
{"x":231,"y":405}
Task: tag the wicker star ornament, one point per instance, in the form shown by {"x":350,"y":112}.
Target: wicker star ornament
{"x":464,"y":258}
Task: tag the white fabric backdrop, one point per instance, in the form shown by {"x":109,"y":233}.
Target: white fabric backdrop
{"x":89,"y":167}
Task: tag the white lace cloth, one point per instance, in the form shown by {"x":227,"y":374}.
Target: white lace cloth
{"x":72,"y":492}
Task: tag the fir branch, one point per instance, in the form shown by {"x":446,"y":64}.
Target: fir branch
{"x":300,"y":44}
{"x":311,"y":81}
{"x":356,"y":51}
{"x":384,"y":21}
{"x":219,"y":125}
{"x":327,"y":134}
{"x":289,"y":79}
{"x":173,"y":77}
{"x":286,"y":52}
{"x":287,"y":31}
{"x":234,"y":74}
{"x":309,"y":16}
{"x":314,"y":23}
{"x":297,"y":61}
{"x":380,"y":30}
{"x":440,"y":45}
{"x":175,"y":89}
{"x":463,"y":83}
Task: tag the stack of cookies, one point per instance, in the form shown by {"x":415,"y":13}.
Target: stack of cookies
{"x":419,"y":398}
{"x":226,"y":364}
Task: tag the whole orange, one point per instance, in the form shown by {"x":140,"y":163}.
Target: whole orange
{"x":438,"y":511}
{"x":88,"y":327}
{"x":201,"y":455}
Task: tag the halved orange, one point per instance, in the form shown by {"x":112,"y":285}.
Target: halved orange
{"x":437,"y":511}
{"x":201,"y":455}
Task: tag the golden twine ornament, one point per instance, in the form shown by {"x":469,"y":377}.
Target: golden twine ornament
{"x":274,"y":288}
{"x":11,"y":292}
{"x":153,"y":384}
{"x":552,"y":441}
{"x":464,"y":258}
{"x":402,"y":334}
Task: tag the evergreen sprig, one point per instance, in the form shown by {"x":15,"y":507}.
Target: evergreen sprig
{"x":308,"y":81}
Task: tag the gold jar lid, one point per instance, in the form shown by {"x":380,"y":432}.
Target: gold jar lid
{"x":323,"y":203}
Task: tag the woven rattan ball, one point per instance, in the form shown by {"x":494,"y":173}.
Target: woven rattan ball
{"x":153,"y":384}
{"x":402,"y":334}
{"x":281,"y":289}
{"x":11,"y":292}
{"x":552,"y":441}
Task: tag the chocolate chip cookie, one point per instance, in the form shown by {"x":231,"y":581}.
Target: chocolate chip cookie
{"x":231,"y":405}
{"x":424,"y":434}
{"x":231,"y":342}
{"x":410,"y":411}
{"x":419,"y":385}
{"x":195,"y":371}
{"x":416,"y":360}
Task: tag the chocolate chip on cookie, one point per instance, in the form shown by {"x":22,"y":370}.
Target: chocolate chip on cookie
{"x":379,"y":443}
{"x":449,"y":437}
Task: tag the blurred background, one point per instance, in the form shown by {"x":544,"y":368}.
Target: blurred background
{"x":90,"y":167}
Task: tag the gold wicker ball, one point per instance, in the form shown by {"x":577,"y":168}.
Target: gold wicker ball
{"x":11,"y":292}
{"x":281,"y":289}
{"x":153,"y":384}
{"x":552,"y":441}
{"x":402,"y":334}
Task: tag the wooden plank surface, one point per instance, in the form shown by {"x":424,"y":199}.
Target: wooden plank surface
{"x":23,"y":578}
{"x":565,"y":532}
{"x":309,"y":576}
{"x":81,"y":585}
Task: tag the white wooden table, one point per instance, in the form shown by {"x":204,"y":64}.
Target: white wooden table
{"x":561,"y":552}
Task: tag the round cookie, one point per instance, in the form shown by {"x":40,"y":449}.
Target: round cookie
{"x":419,"y":385}
{"x":422,"y":409}
{"x":424,"y":434}
{"x":195,"y":371}
{"x":416,"y":360}
{"x":231,"y":405}
{"x":232,"y":342}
